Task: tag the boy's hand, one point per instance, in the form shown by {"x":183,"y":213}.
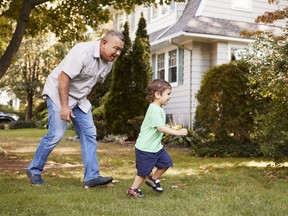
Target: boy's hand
{"x":183,"y":132}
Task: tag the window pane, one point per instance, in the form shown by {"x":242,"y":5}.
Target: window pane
{"x":161,"y":66}
{"x":154,"y":12}
{"x":161,"y":74}
{"x":165,"y":9}
{"x":172,"y":74}
{"x":172,"y":58}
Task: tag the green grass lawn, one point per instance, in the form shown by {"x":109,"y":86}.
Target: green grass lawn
{"x":194,"y":186}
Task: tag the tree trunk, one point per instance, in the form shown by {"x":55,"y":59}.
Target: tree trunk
{"x":29,"y":111}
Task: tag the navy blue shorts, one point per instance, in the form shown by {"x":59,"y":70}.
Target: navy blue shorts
{"x":146,"y":161}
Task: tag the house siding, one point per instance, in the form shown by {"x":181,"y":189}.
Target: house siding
{"x":223,"y":9}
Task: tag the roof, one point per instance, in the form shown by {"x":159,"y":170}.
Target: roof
{"x":189,"y":23}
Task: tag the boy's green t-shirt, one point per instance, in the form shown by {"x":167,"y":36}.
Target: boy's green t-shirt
{"x":149,"y":138}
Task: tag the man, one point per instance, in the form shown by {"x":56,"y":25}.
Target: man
{"x":66,"y":91}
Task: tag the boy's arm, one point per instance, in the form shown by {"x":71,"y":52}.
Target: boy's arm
{"x":171,"y":131}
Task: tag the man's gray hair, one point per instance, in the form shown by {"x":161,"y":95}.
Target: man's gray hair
{"x":114,"y":33}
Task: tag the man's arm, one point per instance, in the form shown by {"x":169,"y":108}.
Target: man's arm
{"x":63,"y":89}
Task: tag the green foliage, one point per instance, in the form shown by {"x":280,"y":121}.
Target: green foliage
{"x":6,"y":26}
{"x":135,"y":123}
{"x":227,"y":147}
{"x":190,"y":140}
{"x":118,"y":105}
{"x":226,"y":110}
{"x":41,"y":115}
{"x":268,"y":81}
{"x":67,"y":19}
{"x":141,"y":69}
{"x":225,"y":107}
{"x":101,"y":127}
{"x":130,"y":75}
{"x":21,"y":124}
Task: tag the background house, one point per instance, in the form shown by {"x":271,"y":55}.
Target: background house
{"x":190,"y":37}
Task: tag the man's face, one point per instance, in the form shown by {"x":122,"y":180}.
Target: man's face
{"x":111,"y":48}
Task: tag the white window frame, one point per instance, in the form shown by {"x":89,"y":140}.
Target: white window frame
{"x":243,"y":5}
{"x":166,"y":66}
{"x":159,"y":10}
{"x":120,"y":23}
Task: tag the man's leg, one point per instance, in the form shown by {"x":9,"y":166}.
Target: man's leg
{"x":56,"y":131}
{"x":86,"y":131}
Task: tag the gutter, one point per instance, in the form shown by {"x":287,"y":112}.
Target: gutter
{"x":197,"y":35}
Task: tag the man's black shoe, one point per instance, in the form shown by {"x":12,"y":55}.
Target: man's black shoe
{"x":98,"y":181}
{"x":35,"y":179}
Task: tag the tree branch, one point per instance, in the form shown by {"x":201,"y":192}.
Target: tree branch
{"x":38,"y":2}
{"x":16,"y":40}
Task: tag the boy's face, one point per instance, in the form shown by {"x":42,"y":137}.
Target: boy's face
{"x":165,"y":97}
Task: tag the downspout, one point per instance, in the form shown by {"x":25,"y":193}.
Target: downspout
{"x":190,"y":85}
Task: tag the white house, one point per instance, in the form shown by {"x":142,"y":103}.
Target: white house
{"x":190,"y":37}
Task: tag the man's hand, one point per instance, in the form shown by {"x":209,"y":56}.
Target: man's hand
{"x":63,"y":88}
{"x":66,"y":113}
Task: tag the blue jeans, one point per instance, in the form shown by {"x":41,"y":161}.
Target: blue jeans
{"x":86,"y":130}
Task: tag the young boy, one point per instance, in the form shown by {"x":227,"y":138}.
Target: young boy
{"x":149,"y":151}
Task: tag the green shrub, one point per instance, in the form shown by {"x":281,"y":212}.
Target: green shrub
{"x":228,"y":147}
{"x":21,"y":124}
{"x":98,"y":113}
{"x":101,"y":127}
{"x":225,"y":105}
{"x":134,"y":129}
{"x":185,"y":141}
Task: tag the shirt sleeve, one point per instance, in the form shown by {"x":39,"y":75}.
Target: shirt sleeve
{"x":72,"y":64}
{"x":157,"y":118}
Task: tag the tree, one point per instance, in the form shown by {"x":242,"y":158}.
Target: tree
{"x":118,"y":106}
{"x":67,"y":19}
{"x":141,"y":69}
{"x":34,"y":61}
{"x":268,"y":81}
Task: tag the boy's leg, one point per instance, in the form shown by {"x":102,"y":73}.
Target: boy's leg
{"x":163,"y":163}
{"x":137,"y":182}
{"x":158,"y":173}
{"x":134,"y":189}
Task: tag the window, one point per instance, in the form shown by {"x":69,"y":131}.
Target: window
{"x":242,"y":4}
{"x":172,"y":73}
{"x":161,"y":66}
{"x":159,"y":10}
{"x":236,"y":53}
{"x":119,"y":20}
{"x":167,"y":66}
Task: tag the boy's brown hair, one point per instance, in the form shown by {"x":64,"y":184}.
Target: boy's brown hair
{"x":159,"y":85}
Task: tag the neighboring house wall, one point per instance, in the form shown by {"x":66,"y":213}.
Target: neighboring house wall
{"x":8,"y":99}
